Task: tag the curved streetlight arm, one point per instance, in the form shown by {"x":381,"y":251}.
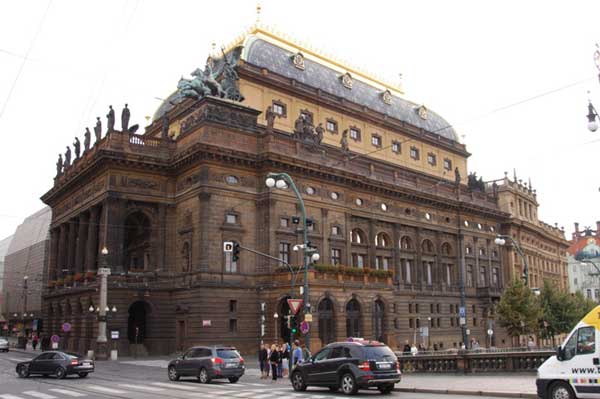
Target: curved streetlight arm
{"x":520,"y":252}
{"x":593,"y":264}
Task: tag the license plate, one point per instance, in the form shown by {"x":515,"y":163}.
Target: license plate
{"x":86,"y":364}
{"x":230,"y":365}
{"x":385,"y":366}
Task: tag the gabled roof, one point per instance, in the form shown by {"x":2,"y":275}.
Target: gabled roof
{"x":586,"y":247}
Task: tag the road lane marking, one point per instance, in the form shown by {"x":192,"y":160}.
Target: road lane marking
{"x":40,"y":395}
{"x":16,"y":359}
{"x":176,"y":386}
{"x":104,"y":389}
{"x":8,"y":396}
{"x":142,"y":387}
{"x":67,"y":392}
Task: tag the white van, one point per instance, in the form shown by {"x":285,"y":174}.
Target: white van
{"x":575,"y":370}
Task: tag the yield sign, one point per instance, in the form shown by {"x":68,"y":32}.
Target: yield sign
{"x":294,"y":305}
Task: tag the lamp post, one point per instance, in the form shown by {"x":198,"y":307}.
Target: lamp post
{"x":501,"y":240}
{"x":25,"y":278}
{"x":282,"y":181}
{"x":101,"y":341}
{"x":275,"y":317}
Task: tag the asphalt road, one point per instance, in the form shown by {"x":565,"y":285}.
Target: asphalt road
{"x":148,"y":380}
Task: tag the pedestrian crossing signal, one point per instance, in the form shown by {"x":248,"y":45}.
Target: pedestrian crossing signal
{"x":235,"y":256}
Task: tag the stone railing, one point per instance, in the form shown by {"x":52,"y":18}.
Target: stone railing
{"x":474,"y":361}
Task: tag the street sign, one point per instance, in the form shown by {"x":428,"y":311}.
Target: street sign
{"x":228,"y":246}
{"x":308,"y":317}
{"x":490,"y":332}
{"x":66,"y":327}
{"x":462,"y":312}
{"x":463,"y":321}
{"x":55,"y":339}
{"x":103,"y":271}
{"x":114,"y":334}
{"x":304,"y":327}
{"x":468,"y":332}
{"x":294,"y":305}
{"x":262,"y":330}
{"x":206,"y":323}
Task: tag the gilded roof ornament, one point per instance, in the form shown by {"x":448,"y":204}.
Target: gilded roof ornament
{"x":386,"y":96}
{"x":422,"y":111}
{"x":347,"y":80}
{"x":298,"y":60}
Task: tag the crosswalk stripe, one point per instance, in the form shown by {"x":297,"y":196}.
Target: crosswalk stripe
{"x":104,"y":389}
{"x":177,"y":386}
{"x":8,"y":396}
{"x":142,"y":387}
{"x":16,"y":359}
{"x":267,"y":395}
{"x":40,"y":395}
{"x":67,"y":392}
{"x":203,"y":394}
{"x":242,"y":394}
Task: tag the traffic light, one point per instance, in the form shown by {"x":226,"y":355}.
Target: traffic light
{"x":235,"y":255}
{"x":294,"y":325}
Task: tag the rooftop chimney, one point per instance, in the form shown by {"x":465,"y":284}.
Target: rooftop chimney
{"x":598,"y":228}
{"x":576,"y":234}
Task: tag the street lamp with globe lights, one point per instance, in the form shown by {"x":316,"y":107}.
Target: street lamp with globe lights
{"x":501,"y":241}
{"x":283,"y":181}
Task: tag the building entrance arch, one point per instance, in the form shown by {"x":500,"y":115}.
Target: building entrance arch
{"x":136,"y":324}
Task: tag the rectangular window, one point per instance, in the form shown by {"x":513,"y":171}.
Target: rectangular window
{"x":230,"y":265}
{"x":482,"y":282}
{"x":233,"y":326}
{"x":355,"y":134}
{"x":376,"y":140}
{"x":410,"y":308}
{"x":447,"y":164}
{"x":284,"y":252}
{"x":231,"y":218}
{"x":431,"y":159}
{"x":596,"y":292}
{"x":284,"y":222}
{"x":232,"y":306}
{"x":396,"y":147}
{"x":279,"y":108}
{"x":449,"y":275}
{"x":386,"y":263}
{"x":407,"y":272}
{"x":331,"y":126}
{"x":427,"y":267}
{"x":589,"y":293}
{"x":378,"y":262}
{"x":414,"y":153}
{"x":416,"y":308}
{"x":336,"y":256}
{"x":360,"y":261}
{"x":495,"y":277}
{"x":469,"y":275}
{"x":335,"y":230}
{"x":411,"y":323}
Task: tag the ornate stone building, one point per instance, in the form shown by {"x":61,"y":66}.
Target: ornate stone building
{"x":383,"y":180}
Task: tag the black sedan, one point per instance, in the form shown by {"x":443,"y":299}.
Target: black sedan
{"x":58,"y":364}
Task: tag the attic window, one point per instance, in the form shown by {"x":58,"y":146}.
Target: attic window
{"x":386,"y":96}
{"x":347,"y":80}
{"x":298,"y":61}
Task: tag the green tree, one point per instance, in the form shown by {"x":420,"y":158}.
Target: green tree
{"x":519,"y":310}
{"x":559,"y":311}
{"x":582,"y":306}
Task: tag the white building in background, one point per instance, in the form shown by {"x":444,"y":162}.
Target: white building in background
{"x":584,"y":262}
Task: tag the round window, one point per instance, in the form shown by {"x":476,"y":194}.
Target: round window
{"x":466,"y":223}
{"x":358,"y":201}
{"x":310,"y":190}
{"x":428,"y":216}
{"x":232,"y":179}
{"x":479,"y":226}
{"x":384,"y":207}
{"x":334,"y":195}
{"x":492,"y":229}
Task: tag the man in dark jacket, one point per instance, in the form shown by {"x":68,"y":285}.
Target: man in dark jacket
{"x":263,"y":361}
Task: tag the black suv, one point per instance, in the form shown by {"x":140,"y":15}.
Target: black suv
{"x":349,"y":366}
{"x":207,"y":363}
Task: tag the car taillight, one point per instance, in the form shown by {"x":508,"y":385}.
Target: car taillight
{"x":241,"y":360}
{"x":217,"y":360}
{"x":365,"y":366}
{"x":74,"y":362}
{"x":398,"y":365}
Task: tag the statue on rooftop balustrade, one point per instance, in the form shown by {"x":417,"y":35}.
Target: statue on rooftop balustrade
{"x":59,"y":165}
{"x":110,"y":119}
{"x":67,"y":162}
{"x":77,"y":147}
{"x":98,"y":129}
{"x":319,"y":133}
{"x":270,"y":116}
{"x":125,"y":115}
{"x":86,"y":140}
{"x":344,"y":141}
{"x":457,"y":177}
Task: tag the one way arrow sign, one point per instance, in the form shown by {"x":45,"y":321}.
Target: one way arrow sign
{"x":294,"y":305}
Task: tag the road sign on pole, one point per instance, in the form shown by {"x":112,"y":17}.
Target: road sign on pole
{"x":228,"y":246}
{"x":294,"y":305}
{"x":462,"y":312}
{"x":304,"y":327}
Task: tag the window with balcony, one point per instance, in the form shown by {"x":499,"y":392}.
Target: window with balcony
{"x":284,"y":252}
{"x":336,"y":256}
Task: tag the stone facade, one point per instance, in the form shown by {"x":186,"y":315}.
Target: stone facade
{"x":395,"y":229}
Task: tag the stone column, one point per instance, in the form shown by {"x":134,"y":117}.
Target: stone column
{"x":160,"y":231}
{"x":71,"y":246}
{"x":113,"y":227}
{"x":92,"y":240}
{"x":347,"y":229}
{"x":82,"y":233}
{"x":325,"y":233}
{"x":52,"y":268}
{"x":204,"y":231}
{"x":62,"y":249}
{"x":372,"y":248}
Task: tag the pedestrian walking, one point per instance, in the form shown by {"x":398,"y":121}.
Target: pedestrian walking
{"x":406,"y":349}
{"x":34,"y":342}
{"x":285,"y":360}
{"x":263,"y":361}
{"x":296,"y":354}
{"x":280,"y":362}
{"x":274,"y":358}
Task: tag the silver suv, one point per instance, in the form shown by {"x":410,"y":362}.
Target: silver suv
{"x":207,"y":363}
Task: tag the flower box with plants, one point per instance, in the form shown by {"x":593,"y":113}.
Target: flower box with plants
{"x":90,"y":276}
{"x":59,"y":283}
{"x":68,"y":280}
{"x":380,"y":273}
{"x":78,"y":277}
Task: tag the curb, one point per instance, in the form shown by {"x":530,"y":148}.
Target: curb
{"x":498,"y":394}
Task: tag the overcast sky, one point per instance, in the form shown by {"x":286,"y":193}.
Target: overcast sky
{"x":484,"y":66}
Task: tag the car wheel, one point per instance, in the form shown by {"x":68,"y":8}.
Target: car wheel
{"x":23,"y":372}
{"x":82,"y":375}
{"x":60,"y":373}
{"x":298,"y":382}
{"x":348,"y":384}
{"x":233,"y":380}
{"x":203,"y":376}
{"x":173,"y":376}
{"x":561,"y":390}
{"x":385,"y":389}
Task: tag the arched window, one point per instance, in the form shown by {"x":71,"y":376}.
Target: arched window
{"x":186,"y":258}
{"x":427,"y":246}
{"x":357,"y":237}
{"x":326,"y":321}
{"x":378,"y":320}
{"x":353,"y":318}
{"x":382,"y":240}
{"x":446,"y":249}
{"x":406,"y":243}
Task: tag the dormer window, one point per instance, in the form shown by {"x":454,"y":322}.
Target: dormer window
{"x":447,"y":164}
{"x":279,"y":108}
{"x":355,"y":133}
{"x":414,"y":153}
{"x":376,"y":140}
{"x":331,"y":125}
{"x":396,"y":148}
{"x":431,"y":159}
